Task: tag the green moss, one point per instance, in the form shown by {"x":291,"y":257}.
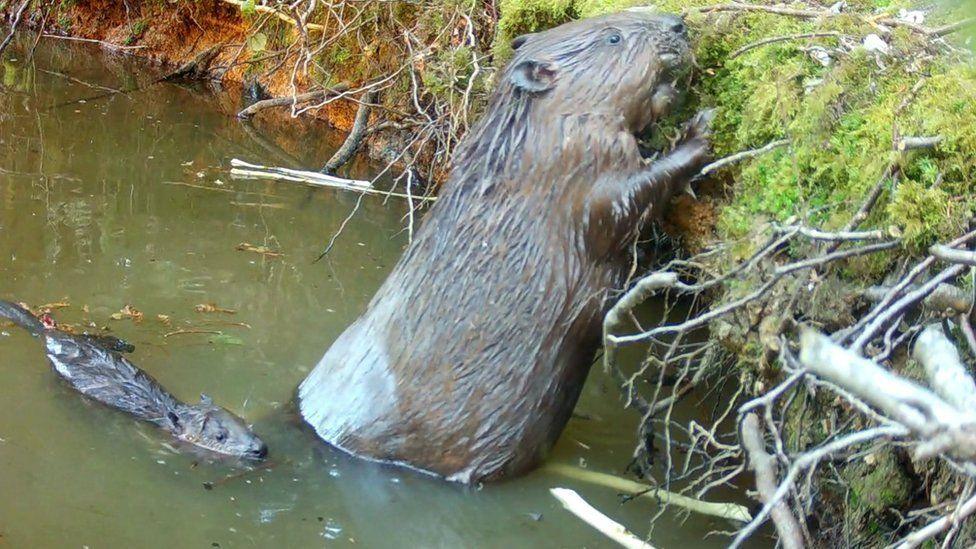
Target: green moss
{"x":525,"y":16}
{"x":924,"y":213}
{"x":877,"y":484}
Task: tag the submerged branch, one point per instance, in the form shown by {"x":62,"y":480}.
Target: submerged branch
{"x":730,"y":511}
{"x":244,"y":170}
{"x":604,"y":524}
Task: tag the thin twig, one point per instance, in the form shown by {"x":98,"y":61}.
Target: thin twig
{"x":722,"y":162}
{"x":775,"y":39}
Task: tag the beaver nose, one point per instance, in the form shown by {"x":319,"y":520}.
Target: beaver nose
{"x":674,"y":24}
{"x":261,"y":452}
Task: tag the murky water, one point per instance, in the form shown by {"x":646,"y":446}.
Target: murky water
{"x":125,"y":199}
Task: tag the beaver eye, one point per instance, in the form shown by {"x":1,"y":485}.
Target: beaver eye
{"x":614,"y":38}
{"x":221,"y":437}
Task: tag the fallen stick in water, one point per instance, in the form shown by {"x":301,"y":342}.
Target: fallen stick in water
{"x":243,"y":170}
{"x":730,"y":511}
{"x":604,"y":524}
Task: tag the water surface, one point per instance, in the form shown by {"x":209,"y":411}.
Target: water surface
{"x":113,"y":199}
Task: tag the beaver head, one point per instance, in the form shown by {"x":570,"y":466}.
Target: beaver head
{"x":213,"y":428}
{"x":624,"y":64}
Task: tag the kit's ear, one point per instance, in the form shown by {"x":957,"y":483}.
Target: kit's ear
{"x":534,"y":76}
{"x":206,"y":400}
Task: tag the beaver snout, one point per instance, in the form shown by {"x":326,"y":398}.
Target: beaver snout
{"x":675,"y":24}
{"x":260,"y":452}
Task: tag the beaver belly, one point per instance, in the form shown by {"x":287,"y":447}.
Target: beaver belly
{"x":350,"y":390}
{"x":467,"y":400}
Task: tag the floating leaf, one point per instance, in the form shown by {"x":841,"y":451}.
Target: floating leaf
{"x":212,"y":308}
{"x":128,"y":312}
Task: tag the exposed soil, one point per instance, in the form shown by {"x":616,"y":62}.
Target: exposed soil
{"x":173,"y":34}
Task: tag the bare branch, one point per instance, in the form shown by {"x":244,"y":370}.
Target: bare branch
{"x":941,"y":427}
{"x":13,"y":26}
{"x":775,"y":39}
{"x":944,"y":368}
{"x":732,"y":159}
{"x":937,"y":527}
{"x":292,"y":100}
{"x":730,"y":511}
{"x":764,"y":466}
{"x":913,"y":143}
{"x":952,"y":255}
{"x":604,"y":524}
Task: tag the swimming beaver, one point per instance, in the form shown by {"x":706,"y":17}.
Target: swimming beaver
{"x":106,"y":341}
{"x":102,"y":374}
{"x":471,"y":356}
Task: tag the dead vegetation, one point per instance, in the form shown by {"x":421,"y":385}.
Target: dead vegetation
{"x":805,"y":406}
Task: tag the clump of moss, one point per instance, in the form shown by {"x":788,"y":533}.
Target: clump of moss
{"x":876,"y":483}
{"x":525,"y":16}
{"x":924,"y":213}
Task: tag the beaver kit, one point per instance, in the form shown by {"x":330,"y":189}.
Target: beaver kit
{"x":97,"y":371}
{"x":470,"y":358}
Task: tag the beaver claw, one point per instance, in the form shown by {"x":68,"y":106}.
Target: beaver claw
{"x":696,"y":142}
{"x":697,"y":137}
{"x":700,"y":127}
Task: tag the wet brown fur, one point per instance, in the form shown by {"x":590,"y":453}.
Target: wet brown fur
{"x":471,"y":356}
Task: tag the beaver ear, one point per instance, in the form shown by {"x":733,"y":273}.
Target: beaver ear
{"x":206,"y":400}
{"x":519,"y":40}
{"x":534,"y":76}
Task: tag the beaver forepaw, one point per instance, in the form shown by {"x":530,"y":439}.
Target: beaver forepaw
{"x":700,"y":127}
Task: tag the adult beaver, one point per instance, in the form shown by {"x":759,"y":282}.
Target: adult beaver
{"x":98,"y":372}
{"x":470,"y":358}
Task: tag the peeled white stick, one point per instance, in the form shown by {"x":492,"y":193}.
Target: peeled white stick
{"x":944,"y":369}
{"x":904,"y":401}
{"x":240,"y":167}
{"x":604,"y":524}
{"x":730,"y":511}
